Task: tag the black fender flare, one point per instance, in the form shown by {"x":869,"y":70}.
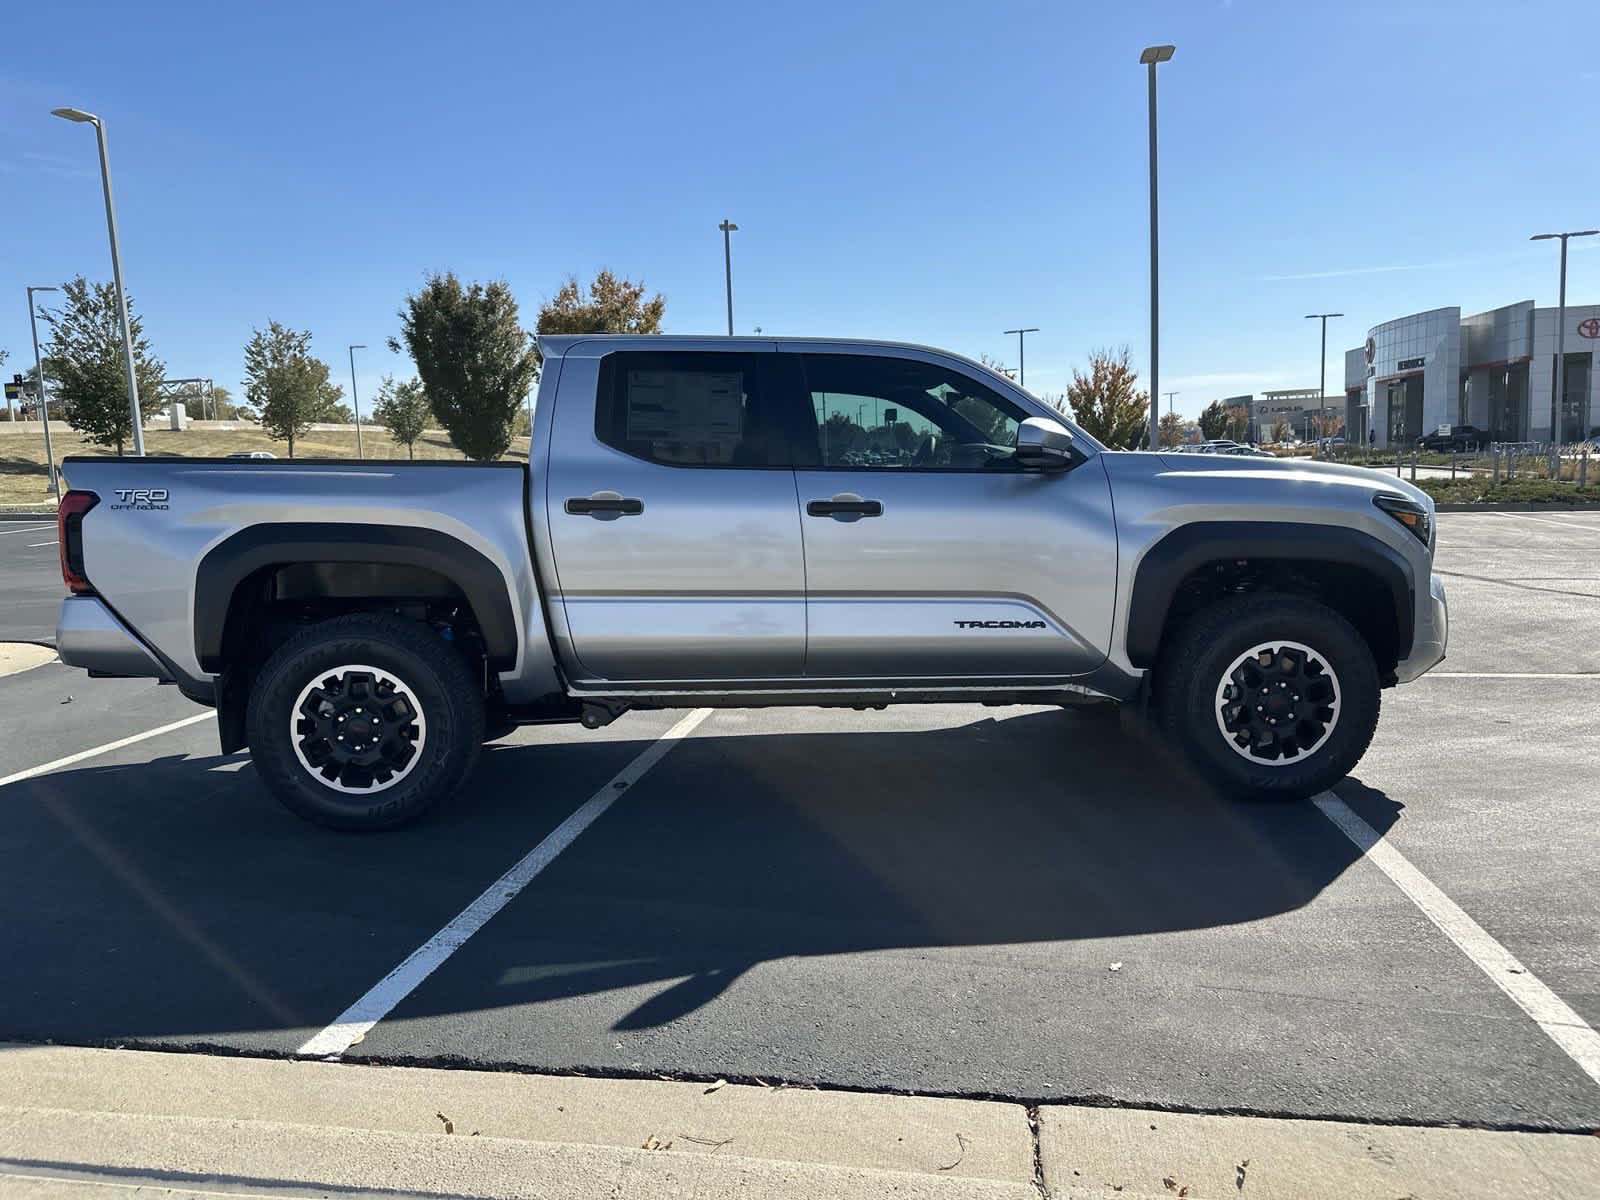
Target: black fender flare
{"x":236,"y":558}
{"x":1189,"y":547}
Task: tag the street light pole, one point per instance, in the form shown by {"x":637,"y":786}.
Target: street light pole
{"x":355,"y":399}
{"x":44,"y":398}
{"x":1561,"y":333}
{"x":77,"y":114}
{"x":728,"y":227}
{"x":1322,"y":367}
{"x":1150,"y":56}
{"x":1169,"y":396}
{"x":1022,"y":361}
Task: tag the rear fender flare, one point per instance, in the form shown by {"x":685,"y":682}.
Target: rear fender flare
{"x":236,"y":558}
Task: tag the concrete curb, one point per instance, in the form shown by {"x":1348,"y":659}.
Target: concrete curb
{"x":81,"y":1121}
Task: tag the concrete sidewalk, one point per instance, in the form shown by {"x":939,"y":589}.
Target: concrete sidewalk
{"x":87,"y":1123}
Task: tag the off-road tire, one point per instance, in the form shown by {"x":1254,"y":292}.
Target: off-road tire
{"x":435,"y":676}
{"x":1202,"y":656}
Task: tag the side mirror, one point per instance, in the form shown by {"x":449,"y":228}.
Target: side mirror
{"x":1043,"y":445}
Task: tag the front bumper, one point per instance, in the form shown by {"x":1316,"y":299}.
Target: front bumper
{"x":1431,"y":634}
{"x":89,"y":635}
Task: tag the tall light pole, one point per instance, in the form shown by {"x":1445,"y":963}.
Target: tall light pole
{"x":355,"y":399}
{"x":1169,"y":396}
{"x":1022,"y":361}
{"x":1150,"y":56}
{"x":1561,"y":332}
{"x":1322,"y":366}
{"x":44,"y":398}
{"x":77,"y":114}
{"x":728,"y":227}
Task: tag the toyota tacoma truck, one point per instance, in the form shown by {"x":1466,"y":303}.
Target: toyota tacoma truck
{"x":744,"y":522}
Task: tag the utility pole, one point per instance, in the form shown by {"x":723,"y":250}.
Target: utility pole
{"x":44,"y":398}
{"x":1169,"y":396}
{"x":1150,"y":56}
{"x":1560,"y":397}
{"x":728,"y":227}
{"x":1022,"y":360}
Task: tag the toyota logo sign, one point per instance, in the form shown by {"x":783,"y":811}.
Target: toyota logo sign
{"x":1589,"y":327}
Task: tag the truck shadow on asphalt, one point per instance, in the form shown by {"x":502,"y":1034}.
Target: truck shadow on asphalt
{"x":173,"y":902}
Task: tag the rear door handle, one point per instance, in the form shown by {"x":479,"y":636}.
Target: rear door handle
{"x":845,"y":506}
{"x":604,"y":506}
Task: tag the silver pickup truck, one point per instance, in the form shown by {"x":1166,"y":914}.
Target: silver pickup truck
{"x":742,"y":522}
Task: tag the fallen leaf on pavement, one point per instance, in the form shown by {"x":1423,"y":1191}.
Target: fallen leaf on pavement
{"x":721,"y":1083}
{"x":1169,"y":1183}
{"x":449,"y":1125}
{"x":1238,"y":1177}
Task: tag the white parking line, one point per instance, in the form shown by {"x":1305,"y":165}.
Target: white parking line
{"x":1510,"y":675}
{"x":1551,"y":1013}
{"x":57,"y":764}
{"x":356,"y":1021}
{"x":36,"y":545}
{"x":29,"y":529}
{"x":1584,"y":526}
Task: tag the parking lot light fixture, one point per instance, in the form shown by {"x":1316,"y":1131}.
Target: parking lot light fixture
{"x":1322,"y":367}
{"x":727,"y":228}
{"x":1560,"y":395}
{"x":44,"y":398}
{"x":1150,"y":56}
{"x":81,"y":117}
{"x":1022,"y":359}
{"x":355,"y":399}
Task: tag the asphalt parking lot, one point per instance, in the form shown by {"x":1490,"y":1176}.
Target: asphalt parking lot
{"x":1022,"y":903}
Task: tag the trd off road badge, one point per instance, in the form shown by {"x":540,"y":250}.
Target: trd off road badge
{"x":140,"y":499}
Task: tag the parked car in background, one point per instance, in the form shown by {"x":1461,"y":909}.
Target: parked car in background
{"x":252,"y":454}
{"x":1455,"y":438}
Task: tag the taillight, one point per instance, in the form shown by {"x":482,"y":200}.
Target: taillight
{"x":69,"y":533}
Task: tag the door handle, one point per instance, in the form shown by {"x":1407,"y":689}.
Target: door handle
{"x":604,"y":506}
{"x":845,"y":506}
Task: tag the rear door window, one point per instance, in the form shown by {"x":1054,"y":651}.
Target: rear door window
{"x":696,"y":409}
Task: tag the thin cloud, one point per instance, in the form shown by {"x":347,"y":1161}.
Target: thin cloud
{"x":1342,"y":272}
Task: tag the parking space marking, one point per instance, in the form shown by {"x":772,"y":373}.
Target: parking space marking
{"x":36,"y":545}
{"x":356,"y":1021}
{"x":1509,"y":675}
{"x":29,"y":529}
{"x":1583,"y":525}
{"x":57,"y":764}
{"x":1551,"y":1013}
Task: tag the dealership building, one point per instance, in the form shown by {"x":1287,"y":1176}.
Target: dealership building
{"x":1495,"y":370}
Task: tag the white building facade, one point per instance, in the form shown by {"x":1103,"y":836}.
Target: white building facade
{"x":1494,"y":370}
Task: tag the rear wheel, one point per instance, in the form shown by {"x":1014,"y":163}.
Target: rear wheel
{"x":1269,"y":695}
{"x":364,"y":722}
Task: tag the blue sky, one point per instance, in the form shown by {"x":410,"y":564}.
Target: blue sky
{"x":921,"y":171}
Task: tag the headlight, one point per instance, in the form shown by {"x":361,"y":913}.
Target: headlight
{"x":1413,"y":515}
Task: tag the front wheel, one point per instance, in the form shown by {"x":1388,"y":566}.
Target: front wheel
{"x":364,"y":722}
{"x":1269,"y":695}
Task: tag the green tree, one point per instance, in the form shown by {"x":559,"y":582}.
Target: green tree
{"x":1213,"y":420}
{"x":402,"y":409}
{"x":223,"y":407}
{"x":286,"y":386}
{"x":1105,"y":402}
{"x":84,"y":363}
{"x":610,"y":305}
{"x":475,"y":359}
